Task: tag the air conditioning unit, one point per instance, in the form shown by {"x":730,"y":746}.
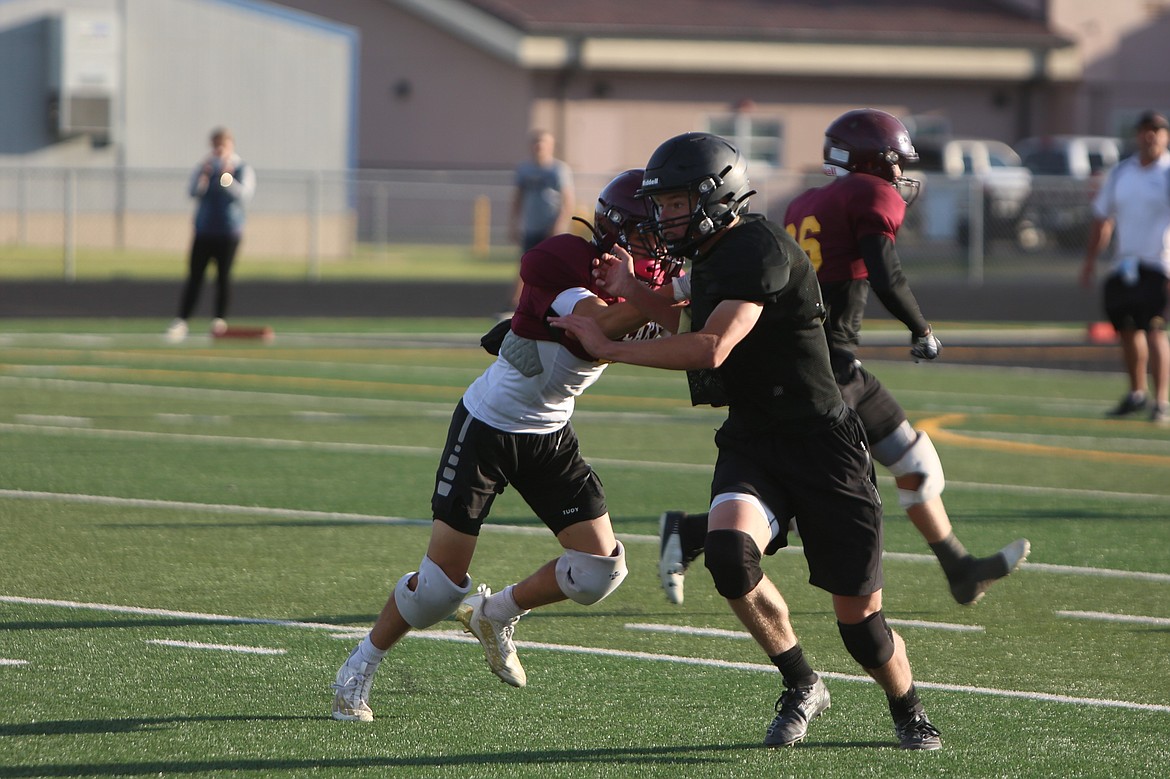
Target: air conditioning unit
{"x":85,"y":73}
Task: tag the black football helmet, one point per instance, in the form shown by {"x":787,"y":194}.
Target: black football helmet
{"x":616,"y":216}
{"x":712,"y":171}
{"x":871,"y":141}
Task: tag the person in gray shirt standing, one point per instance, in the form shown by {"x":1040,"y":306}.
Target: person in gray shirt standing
{"x":543,"y":201}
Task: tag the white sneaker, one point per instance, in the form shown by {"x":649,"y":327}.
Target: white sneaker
{"x":218,"y":326}
{"x":352,"y":684}
{"x":177,"y":332}
{"x":672,"y":568}
{"x":495,"y":637}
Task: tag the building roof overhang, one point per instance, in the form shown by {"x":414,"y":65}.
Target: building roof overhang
{"x":1000,"y":49}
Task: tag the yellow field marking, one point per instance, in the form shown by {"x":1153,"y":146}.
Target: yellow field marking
{"x":935,"y":427}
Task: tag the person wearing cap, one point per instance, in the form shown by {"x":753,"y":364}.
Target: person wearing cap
{"x":1134,"y":202}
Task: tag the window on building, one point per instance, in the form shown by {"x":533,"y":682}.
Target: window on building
{"x":757,"y":138}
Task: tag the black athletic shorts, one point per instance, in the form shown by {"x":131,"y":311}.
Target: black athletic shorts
{"x":479,"y":461}
{"x":880,"y":412}
{"x":824,"y":478}
{"x":1139,"y":306}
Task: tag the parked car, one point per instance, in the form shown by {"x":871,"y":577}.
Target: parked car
{"x":996,"y":171}
{"x":1067,"y":169}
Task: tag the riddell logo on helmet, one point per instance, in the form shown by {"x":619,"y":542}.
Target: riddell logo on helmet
{"x":649,"y":182}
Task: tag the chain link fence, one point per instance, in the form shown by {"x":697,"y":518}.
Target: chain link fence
{"x":959,"y":228}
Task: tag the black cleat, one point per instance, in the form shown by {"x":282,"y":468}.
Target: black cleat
{"x":917,"y":733}
{"x":796,"y":707}
{"x":1129,"y":404}
{"x":982,"y":572}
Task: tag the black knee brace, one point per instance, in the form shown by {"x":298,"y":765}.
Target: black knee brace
{"x":871,"y":642}
{"x":734,"y":562}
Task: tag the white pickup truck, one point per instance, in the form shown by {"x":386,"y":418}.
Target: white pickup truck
{"x":971,"y":173}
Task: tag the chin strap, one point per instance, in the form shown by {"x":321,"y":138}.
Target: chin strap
{"x":596,"y":233}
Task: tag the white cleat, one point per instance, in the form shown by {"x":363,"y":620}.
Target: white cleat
{"x":672,"y":569}
{"x":352,"y":686}
{"x":495,"y":637}
{"x":177,"y":332}
{"x":218,"y":327}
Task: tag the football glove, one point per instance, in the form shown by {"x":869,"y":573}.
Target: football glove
{"x":925,"y":347}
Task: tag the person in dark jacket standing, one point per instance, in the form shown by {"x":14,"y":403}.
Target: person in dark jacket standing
{"x":222,"y":183}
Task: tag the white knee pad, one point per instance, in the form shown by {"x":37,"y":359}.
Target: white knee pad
{"x":587,"y":578}
{"x":433,"y":599}
{"x":922,"y":459}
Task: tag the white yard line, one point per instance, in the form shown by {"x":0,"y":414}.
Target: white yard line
{"x":248,"y":650}
{"x":214,"y":508}
{"x":197,"y":616}
{"x":270,"y":511}
{"x":652,"y":627}
{"x":1104,"y":616}
{"x":261,"y":443}
{"x":460,"y":637}
{"x":41,"y":375}
{"x":427,"y":451}
{"x":7,"y":661}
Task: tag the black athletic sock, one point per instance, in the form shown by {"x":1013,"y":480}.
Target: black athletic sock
{"x":905,"y":706}
{"x":794,"y":668}
{"x":692,"y":535}
{"x":952,"y":555}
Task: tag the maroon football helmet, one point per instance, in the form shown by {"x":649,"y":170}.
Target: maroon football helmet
{"x":616,"y":217}
{"x":871,"y":141}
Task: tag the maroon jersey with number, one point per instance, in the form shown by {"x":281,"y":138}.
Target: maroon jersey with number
{"x":830,"y":223}
{"x":827,"y":222}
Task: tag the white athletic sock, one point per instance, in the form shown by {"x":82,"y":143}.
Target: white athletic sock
{"x":368,"y":653}
{"x":502,"y":606}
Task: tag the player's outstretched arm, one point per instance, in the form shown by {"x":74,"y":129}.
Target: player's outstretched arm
{"x":708,"y":348}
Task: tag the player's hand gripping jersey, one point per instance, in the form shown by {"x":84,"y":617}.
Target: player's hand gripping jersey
{"x":533,"y":384}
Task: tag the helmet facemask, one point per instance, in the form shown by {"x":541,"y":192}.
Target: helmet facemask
{"x":618,"y":214}
{"x":706,"y":216}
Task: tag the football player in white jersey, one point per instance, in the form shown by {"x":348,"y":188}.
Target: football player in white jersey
{"x":512,"y":427}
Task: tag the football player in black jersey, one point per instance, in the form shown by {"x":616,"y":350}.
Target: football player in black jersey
{"x":790,"y":447}
{"x":848,"y":229}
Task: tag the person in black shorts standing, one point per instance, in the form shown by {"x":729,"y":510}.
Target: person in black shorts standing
{"x":1134,"y":202}
{"x":789,"y":447}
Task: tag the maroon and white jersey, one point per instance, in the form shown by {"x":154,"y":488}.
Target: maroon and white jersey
{"x":533,"y":385}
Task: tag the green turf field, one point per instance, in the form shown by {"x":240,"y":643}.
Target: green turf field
{"x":195,"y":536}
